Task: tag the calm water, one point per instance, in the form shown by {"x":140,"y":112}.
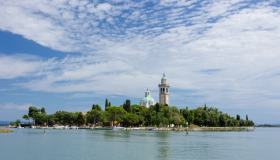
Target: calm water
{"x":32,"y":144}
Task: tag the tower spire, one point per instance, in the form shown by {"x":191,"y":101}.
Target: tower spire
{"x":163,"y":91}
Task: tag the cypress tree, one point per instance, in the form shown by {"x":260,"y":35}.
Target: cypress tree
{"x":238,"y":117}
{"x":106,"y":103}
{"x":127,"y":105}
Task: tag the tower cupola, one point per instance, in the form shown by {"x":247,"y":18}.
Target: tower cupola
{"x":163,"y":91}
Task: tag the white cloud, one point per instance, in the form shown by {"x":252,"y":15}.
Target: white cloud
{"x":220,"y":7}
{"x":178,"y":2}
{"x":104,"y":7}
{"x":124,"y":57}
{"x":14,"y":106}
{"x":18,"y":66}
{"x":23,"y":21}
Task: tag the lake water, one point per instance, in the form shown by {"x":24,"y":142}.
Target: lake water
{"x":33,"y":144}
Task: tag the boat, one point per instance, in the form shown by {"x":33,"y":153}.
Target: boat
{"x":58,"y":127}
{"x":19,"y":126}
{"x":116,"y":128}
{"x":74,"y":127}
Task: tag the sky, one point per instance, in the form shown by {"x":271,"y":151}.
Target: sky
{"x":70,"y":54}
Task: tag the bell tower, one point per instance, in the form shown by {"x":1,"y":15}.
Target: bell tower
{"x":163,"y":91}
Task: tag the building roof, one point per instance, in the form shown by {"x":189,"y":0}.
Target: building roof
{"x":148,"y":100}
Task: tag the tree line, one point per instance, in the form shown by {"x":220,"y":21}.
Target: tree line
{"x":129,"y":115}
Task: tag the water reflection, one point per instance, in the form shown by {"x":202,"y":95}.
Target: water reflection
{"x":111,"y":134}
{"x":139,"y":145}
{"x":163,"y":145}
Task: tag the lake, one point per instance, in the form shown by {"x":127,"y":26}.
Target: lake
{"x":33,"y":144}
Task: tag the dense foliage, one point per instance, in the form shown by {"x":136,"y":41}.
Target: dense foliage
{"x":129,"y":115}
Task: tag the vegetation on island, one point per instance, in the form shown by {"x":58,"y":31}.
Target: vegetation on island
{"x":4,"y":130}
{"x":128,"y":115}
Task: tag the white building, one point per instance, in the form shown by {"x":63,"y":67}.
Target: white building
{"x":148,"y":100}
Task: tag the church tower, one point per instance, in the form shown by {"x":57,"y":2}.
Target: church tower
{"x":163,"y":91}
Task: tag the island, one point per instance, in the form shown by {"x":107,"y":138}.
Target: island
{"x":148,"y":115}
{"x":159,"y":117}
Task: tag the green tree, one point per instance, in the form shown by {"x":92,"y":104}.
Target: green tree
{"x":127,"y":106}
{"x":106,"y":103}
{"x":157,"y":107}
{"x":222,"y":121}
{"x":32,"y":112}
{"x":38,"y":115}
{"x":130,"y":119}
{"x":96,"y":107}
{"x":43,"y":110}
{"x":81,"y":119}
{"x":142,"y":113}
{"x":94,"y":116}
{"x":16,"y":123}
{"x":51,"y":120}
{"x":26,"y":117}
{"x":115,"y":114}
{"x":177,"y":119}
{"x":238,"y":117}
{"x":136,"y":115}
{"x":66,"y":118}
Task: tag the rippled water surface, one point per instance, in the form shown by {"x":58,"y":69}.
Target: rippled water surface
{"x":33,"y":144}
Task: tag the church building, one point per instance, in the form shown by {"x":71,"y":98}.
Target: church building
{"x":148,"y":100}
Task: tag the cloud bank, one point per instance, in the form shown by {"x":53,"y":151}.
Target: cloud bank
{"x":226,"y":51}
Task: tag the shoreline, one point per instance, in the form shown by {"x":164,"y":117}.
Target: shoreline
{"x":195,"y":129}
{"x":182,"y":129}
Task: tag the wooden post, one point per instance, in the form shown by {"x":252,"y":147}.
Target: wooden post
{"x":187,"y":127}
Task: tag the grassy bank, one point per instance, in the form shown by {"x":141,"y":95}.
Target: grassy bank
{"x":4,"y":130}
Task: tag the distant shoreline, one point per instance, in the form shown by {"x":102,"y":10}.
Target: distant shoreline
{"x":184,"y":129}
{"x":269,"y":125}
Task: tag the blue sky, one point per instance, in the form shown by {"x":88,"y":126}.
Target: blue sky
{"x":69,"y":54}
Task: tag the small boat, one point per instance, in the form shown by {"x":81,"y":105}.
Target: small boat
{"x":115,"y":128}
{"x":58,"y":127}
{"x":74,"y":127}
{"x":19,"y":126}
